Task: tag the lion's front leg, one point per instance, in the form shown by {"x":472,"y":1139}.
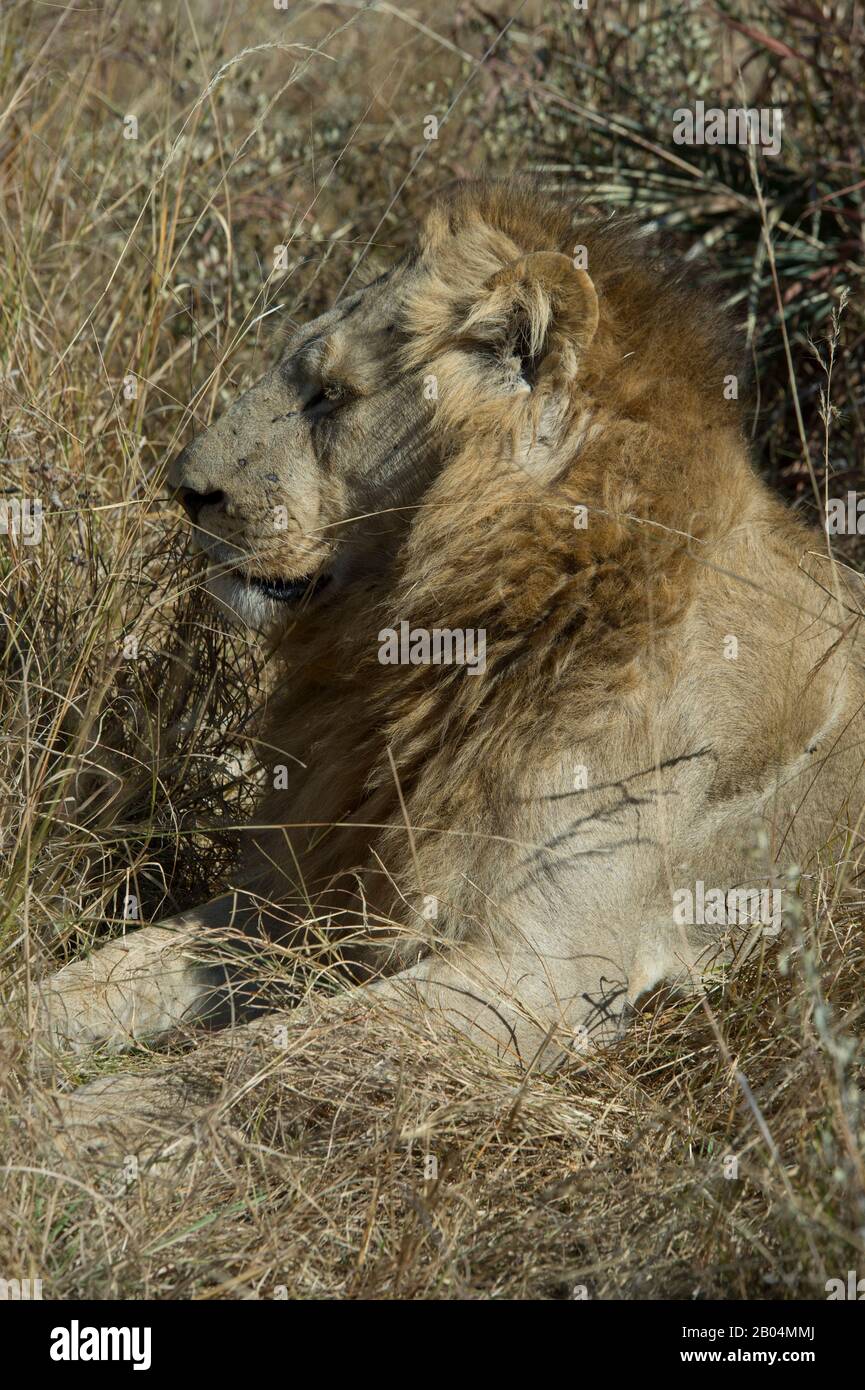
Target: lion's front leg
{"x":161,"y":1116}
{"x":522,"y":1002}
{"x":499,"y":1001}
{"x":139,"y":987}
{"x":142,"y":987}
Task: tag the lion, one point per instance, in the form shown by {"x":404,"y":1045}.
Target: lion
{"x":568,"y":699}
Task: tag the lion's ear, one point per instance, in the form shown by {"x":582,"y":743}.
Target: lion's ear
{"x":540,"y":309}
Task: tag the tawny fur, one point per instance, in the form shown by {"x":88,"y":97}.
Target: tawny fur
{"x":561,"y":395}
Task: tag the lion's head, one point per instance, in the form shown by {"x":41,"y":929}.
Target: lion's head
{"x":308,"y":481}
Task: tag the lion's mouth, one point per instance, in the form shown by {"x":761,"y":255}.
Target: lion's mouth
{"x":291,"y":590}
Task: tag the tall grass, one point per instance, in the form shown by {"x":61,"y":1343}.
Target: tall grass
{"x":137,"y":296}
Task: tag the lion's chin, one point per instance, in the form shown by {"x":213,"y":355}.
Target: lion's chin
{"x":291,"y":591}
{"x":264,"y":603}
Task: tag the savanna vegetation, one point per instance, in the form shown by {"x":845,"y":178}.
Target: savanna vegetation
{"x":176,"y":184}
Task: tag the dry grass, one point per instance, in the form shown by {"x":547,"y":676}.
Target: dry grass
{"x":124,"y":777}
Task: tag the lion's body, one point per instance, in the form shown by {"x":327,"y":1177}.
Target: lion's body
{"x":672,"y":692}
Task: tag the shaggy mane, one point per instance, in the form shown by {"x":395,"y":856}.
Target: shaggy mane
{"x":663,"y":306}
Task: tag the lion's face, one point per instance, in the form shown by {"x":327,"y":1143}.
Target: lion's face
{"x":299,"y":488}
{"x":309,"y":480}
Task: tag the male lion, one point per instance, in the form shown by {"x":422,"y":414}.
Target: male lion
{"x":525,"y":437}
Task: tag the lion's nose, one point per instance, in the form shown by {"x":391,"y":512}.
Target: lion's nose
{"x":193,"y":501}
{"x":190,"y":487}
{"x":178,"y":469}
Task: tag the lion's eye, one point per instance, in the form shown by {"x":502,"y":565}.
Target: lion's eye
{"x":327,"y":397}
{"x":317,"y":401}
